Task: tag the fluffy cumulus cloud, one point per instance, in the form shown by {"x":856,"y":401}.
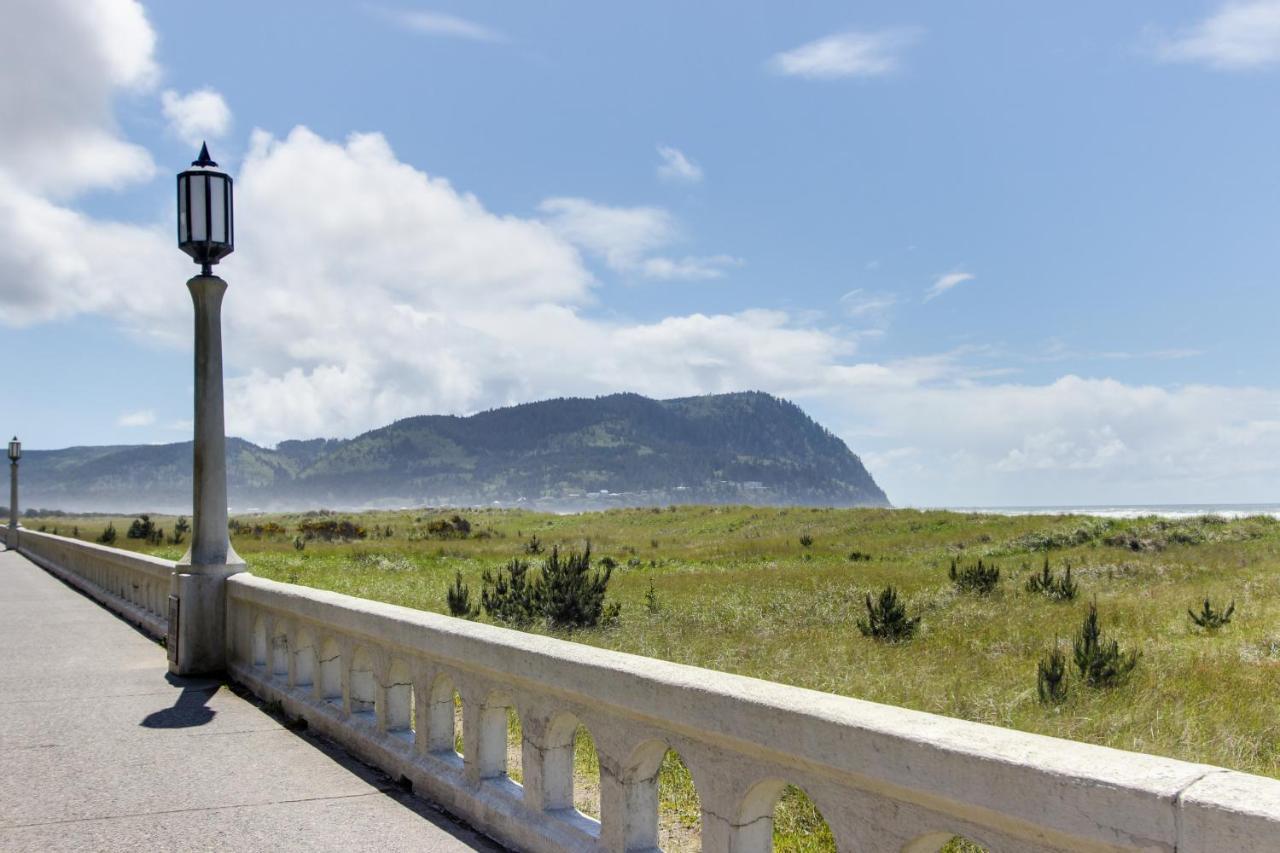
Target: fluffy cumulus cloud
{"x":62,"y":64}
{"x":196,"y":116}
{"x":1075,"y":440}
{"x":1237,"y":36}
{"x":850,"y":54}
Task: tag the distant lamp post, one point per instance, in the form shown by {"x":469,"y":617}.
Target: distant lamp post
{"x":197,"y":603}
{"x":15,"y":453}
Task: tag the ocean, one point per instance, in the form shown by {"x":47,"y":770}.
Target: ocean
{"x":1130,"y":510}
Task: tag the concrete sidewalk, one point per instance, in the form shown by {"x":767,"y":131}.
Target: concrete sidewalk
{"x":100,"y":750}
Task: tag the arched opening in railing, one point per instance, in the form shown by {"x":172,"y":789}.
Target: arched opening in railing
{"x":400,"y":700}
{"x":943,"y":842}
{"x":280,"y":652}
{"x":515,"y":745}
{"x":570,"y":768}
{"x":363,"y":685}
{"x":661,"y":800}
{"x":304,"y":659}
{"x":777,"y":816}
{"x":331,"y":671}
{"x":259,"y":642}
{"x":679,"y":808}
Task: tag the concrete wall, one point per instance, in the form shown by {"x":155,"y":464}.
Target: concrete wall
{"x":135,"y":586}
{"x":885,"y":778}
{"x":380,"y":680}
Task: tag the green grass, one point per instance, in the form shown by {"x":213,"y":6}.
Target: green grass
{"x":734,"y":589}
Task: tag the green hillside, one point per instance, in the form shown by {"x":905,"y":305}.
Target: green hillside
{"x":564,"y":454}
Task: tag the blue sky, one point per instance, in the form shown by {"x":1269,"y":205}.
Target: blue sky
{"x":1010,"y":255}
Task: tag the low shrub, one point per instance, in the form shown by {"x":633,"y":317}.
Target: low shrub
{"x":1051,"y":586}
{"x":459,"y":599}
{"x":887,"y":618}
{"x":566,"y":592}
{"x":142,"y":528}
{"x":1051,"y":677}
{"x":328,"y":530}
{"x":508,"y":595}
{"x":1099,"y":660}
{"x":978,"y":578}
{"x":455,"y":527}
{"x":109,"y":535}
{"x":1211,"y":619}
{"x":806,"y":541}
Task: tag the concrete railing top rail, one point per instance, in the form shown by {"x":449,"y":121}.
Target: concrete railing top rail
{"x":381,"y":680}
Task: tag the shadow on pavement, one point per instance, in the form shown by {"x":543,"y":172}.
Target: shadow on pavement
{"x":191,"y":708}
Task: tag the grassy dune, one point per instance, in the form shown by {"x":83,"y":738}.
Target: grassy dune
{"x":735,"y":589}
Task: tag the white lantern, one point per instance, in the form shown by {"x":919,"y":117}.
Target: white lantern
{"x":206,"y":222}
{"x":15,"y":450}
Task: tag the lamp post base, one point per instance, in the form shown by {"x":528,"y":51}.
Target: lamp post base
{"x":198,"y":618}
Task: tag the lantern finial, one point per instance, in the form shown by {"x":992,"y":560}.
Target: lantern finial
{"x":205,"y":159}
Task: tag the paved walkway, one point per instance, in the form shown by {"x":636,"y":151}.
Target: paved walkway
{"x":100,"y":750}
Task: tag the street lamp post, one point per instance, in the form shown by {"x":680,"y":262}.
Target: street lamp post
{"x":15,"y":453}
{"x":197,"y":600}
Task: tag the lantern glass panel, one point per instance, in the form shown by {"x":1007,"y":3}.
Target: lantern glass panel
{"x":199,"y":215}
{"x":218,"y":208}
{"x":183,"y":182}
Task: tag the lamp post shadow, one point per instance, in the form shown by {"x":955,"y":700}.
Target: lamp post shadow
{"x":190,"y":709}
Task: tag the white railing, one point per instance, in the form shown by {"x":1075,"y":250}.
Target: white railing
{"x":134,"y":585}
{"x":380,"y":679}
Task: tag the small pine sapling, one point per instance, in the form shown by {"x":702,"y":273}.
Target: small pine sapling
{"x":806,"y":540}
{"x":1051,"y":677}
{"x":1099,"y":660}
{"x":979,"y":578}
{"x":887,"y":618}
{"x":651,"y":601}
{"x":459,"y":599}
{"x":1051,"y":586}
{"x":571,"y":595}
{"x":509,"y":596}
{"x":1210,"y":619}
{"x":109,"y":535}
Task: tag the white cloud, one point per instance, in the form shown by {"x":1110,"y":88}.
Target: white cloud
{"x":675,"y":166}
{"x":851,"y":54}
{"x":1072,"y":441}
{"x":1238,"y":36}
{"x":141,"y":418}
{"x":945,"y":283}
{"x":688,"y":268}
{"x":441,"y":24}
{"x":872,"y":306}
{"x":628,"y":239}
{"x":196,"y":116}
{"x":62,"y":65}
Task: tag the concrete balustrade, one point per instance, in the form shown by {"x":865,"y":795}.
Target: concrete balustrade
{"x":136,"y":586}
{"x":380,"y":680}
{"x":885,"y":778}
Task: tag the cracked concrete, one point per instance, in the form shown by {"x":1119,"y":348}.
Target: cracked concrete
{"x":103,"y":752}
